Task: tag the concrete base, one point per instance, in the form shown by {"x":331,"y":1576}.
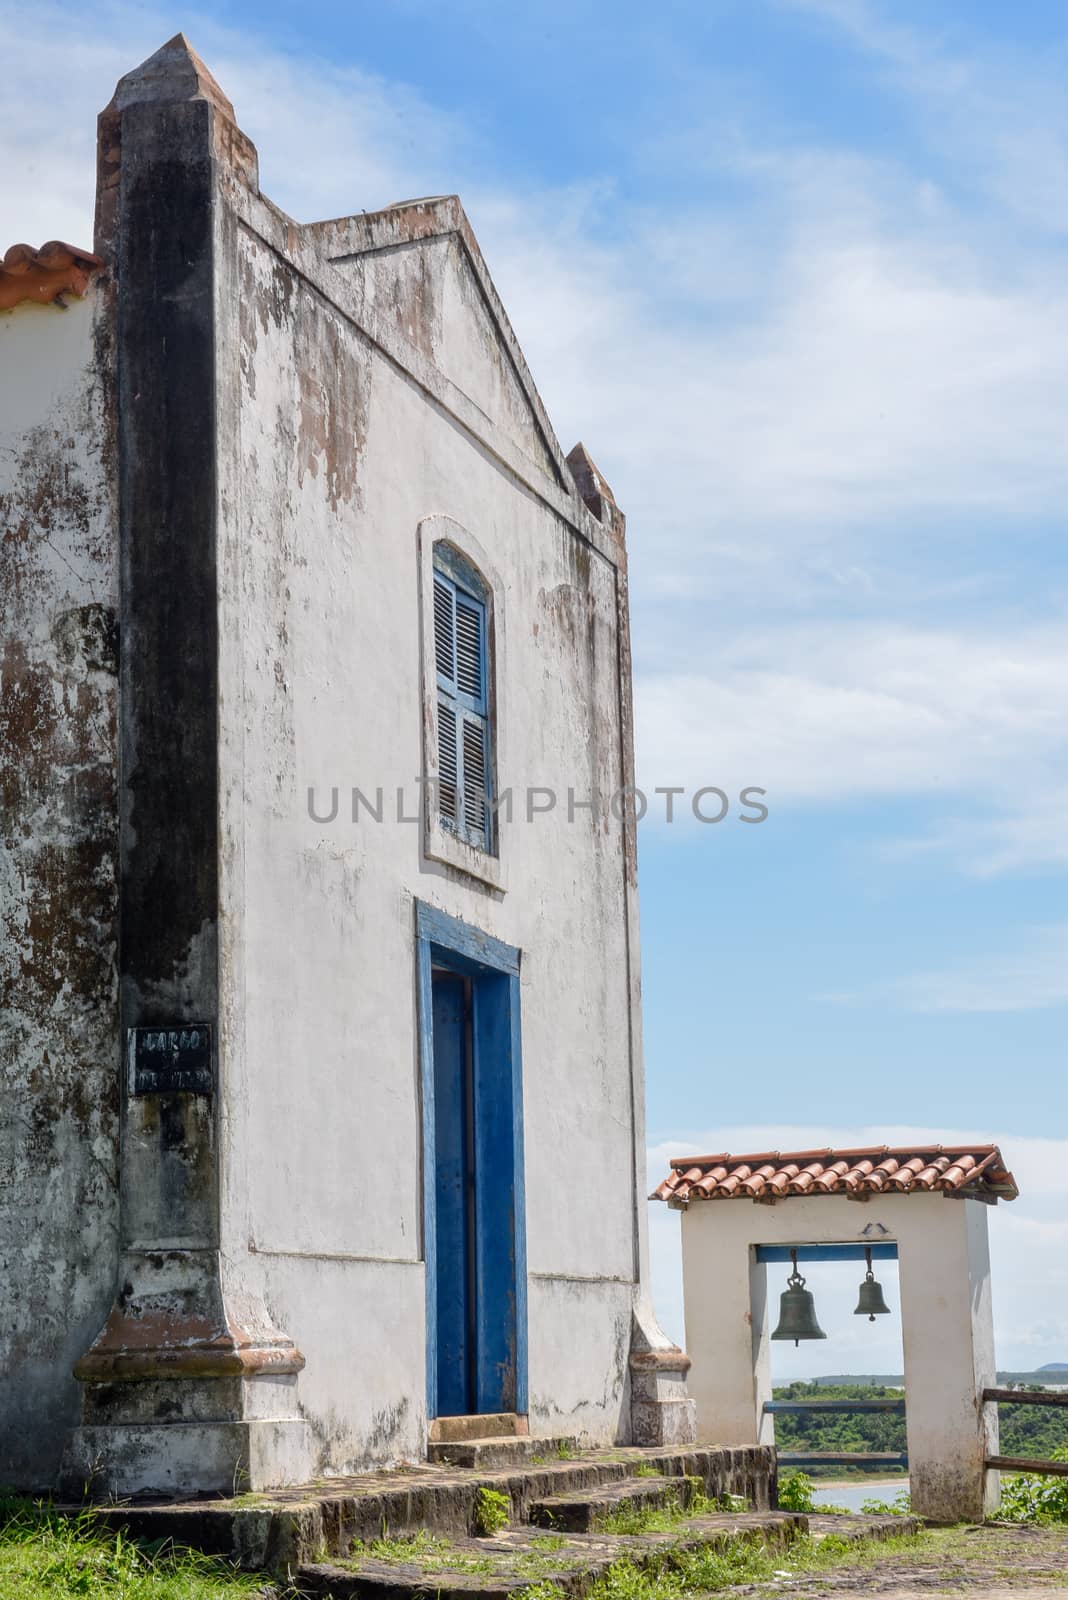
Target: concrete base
{"x":661,"y":1411}
{"x":490,"y":1425}
{"x":177,"y":1459}
{"x":953,"y":1493}
{"x":664,"y":1422}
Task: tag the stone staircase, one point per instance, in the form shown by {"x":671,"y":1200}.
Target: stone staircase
{"x":571,"y":1514}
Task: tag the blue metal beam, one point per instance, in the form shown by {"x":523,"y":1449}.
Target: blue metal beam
{"x":883,"y":1251}
{"x":843,"y":1458}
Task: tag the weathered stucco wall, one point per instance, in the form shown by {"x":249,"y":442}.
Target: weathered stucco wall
{"x":59,"y":1080}
{"x":297,"y":407}
{"x":339,"y":457}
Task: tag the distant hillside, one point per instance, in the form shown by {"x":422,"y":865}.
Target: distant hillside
{"x":1025,"y":1430}
{"x":1053,"y":1375}
{"x":852,"y":1380}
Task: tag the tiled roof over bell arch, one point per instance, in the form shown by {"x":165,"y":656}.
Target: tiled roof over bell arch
{"x":975,"y":1170}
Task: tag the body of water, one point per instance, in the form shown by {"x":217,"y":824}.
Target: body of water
{"x":852,"y":1495}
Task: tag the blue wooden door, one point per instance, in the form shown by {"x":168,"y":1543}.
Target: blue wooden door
{"x":454,"y":1196}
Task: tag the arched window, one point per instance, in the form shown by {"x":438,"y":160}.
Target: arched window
{"x":461,"y":654}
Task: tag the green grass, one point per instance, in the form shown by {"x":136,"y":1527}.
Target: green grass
{"x":432,"y":1554}
{"x":638,"y":1519}
{"x":682,"y":1574}
{"x":47,"y":1557}
{"x":562,"y":1452}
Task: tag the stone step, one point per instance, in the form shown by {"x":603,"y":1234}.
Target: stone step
{"x":287,"y":1528}
{"x":517,"y":1560}
{"x":860,"y":1525}
{"x":585,"y":1512}
{"x":496,"y":1451}
{"x":492,"y":1425}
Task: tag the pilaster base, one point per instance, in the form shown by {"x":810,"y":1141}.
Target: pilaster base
{"x":661,"y":1411}
{"x":177,"y":1460}
{"x":953,"y":1491}
{"x":184,"y":1393}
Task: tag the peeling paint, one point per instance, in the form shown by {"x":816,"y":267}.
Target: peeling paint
{"x":306,"y":398}
{"x":59,"y":1086}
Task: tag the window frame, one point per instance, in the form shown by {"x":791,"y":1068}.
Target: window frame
{"x":446,"y":547}
{"x":465,"y":587}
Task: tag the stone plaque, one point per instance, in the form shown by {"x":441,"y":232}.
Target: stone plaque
{"x":176,"y":1060}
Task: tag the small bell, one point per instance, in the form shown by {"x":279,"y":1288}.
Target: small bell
{"x":797,"y":1310}
{"x":871,"y":1303}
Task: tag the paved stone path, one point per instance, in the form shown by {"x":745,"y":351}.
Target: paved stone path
{"x":996,"y":1562}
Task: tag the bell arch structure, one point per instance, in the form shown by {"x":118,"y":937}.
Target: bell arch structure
{"x":929,"y":1207}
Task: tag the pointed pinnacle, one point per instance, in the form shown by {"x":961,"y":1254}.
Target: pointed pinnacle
{"x":174,"y":73}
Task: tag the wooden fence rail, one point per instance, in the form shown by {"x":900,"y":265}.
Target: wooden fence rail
{"x":843,"y":1458}
{"x":1043,"y":1469}
{"x":838,"y":1458}
{"x":799,"y":1407}
{"x":1027,"y":1397}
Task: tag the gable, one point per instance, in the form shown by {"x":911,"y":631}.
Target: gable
{"x":421,"y":271}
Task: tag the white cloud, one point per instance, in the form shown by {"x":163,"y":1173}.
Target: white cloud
{"x":871,"y":376}
{"x":776,"y":391}
{"x":1032,"y":976}
{"x":1028,"y":1240}
{"x":830,"y":711}
{"x":996,"y":112}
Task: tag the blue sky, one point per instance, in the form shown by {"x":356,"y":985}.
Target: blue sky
{"x":796,"y":271}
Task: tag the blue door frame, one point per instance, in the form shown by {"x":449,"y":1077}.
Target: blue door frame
{"x":498,"y":1244}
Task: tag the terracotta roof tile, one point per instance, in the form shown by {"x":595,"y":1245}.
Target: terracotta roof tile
{"x":45,"y":274}
{"x":772,"y":1175}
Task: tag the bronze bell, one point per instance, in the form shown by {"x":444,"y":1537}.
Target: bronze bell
{"x":871,"y":1303}
{"x":797,"y":1310}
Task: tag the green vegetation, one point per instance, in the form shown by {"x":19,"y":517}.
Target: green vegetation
{"x":1032,"y":1499}
{"x":564,"y":1451}
{"x":47,"y":1557}
{"x":492,"y":1511}
{"x":858,"y":1430}
{"x":899,"y":1506}
{"x":1037,"y":1431}
{"x":732,"y":1502}
{"x":796,"y":1493}
{"x":634,"y":1518}
{"x":664,"y":1518}
{"x":682,"y":1574}
{"x":435,"y":1555}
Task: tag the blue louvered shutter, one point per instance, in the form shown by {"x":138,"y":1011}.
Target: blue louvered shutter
{"x":460,"y":655}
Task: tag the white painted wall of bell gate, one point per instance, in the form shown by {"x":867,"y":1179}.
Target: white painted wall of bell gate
{"x":336,"y":459}
{"x":946,"y":1318}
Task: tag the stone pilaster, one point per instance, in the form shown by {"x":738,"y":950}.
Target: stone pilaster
{"x":183,"y":1392}
{"x":661,"y":1411}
